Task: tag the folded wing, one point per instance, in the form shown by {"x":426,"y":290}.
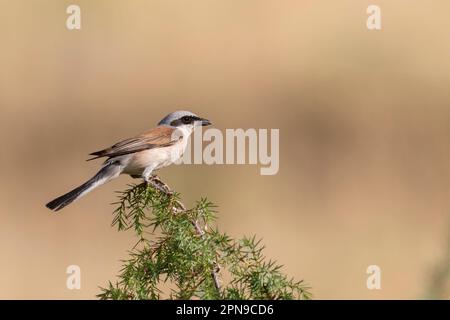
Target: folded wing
{"x":156,"y":138}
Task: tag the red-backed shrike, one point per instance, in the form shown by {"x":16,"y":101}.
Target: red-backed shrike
{"x":139,"y":156}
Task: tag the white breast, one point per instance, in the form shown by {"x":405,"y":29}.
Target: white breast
{"x":156,"y":158}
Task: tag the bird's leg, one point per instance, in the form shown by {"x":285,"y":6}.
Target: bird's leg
{"x":154,"y":181}
{"x":148,"y":178}
{"x":161,"y":184}
{"x":149,"y":181}
{"x":158,"y":187}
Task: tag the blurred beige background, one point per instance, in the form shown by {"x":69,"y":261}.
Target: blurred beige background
{"x":364,"y":123}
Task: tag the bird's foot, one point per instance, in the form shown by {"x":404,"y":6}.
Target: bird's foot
{"x":158,"y":184}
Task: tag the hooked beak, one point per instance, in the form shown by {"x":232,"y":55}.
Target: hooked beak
{"x":205,"y":122}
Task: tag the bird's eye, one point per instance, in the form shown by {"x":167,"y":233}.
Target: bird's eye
{"x":186,"y":119}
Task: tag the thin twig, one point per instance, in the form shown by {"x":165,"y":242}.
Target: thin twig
{"x":163,"y":187}
{"x":214,"y":272}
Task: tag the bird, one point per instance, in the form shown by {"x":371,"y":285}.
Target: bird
{"x":139,"y":156}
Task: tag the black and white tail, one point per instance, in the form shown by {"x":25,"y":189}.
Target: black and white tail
{"x":107,"y":173}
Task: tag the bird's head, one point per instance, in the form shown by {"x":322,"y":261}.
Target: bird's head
{"x":184,"y":120}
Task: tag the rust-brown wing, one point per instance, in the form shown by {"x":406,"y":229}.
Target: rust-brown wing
{"x":155,"y":138}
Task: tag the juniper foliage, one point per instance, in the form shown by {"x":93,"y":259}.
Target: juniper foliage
{"x":182,"y":249}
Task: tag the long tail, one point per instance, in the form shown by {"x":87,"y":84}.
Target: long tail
{"x":107,"y":173}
